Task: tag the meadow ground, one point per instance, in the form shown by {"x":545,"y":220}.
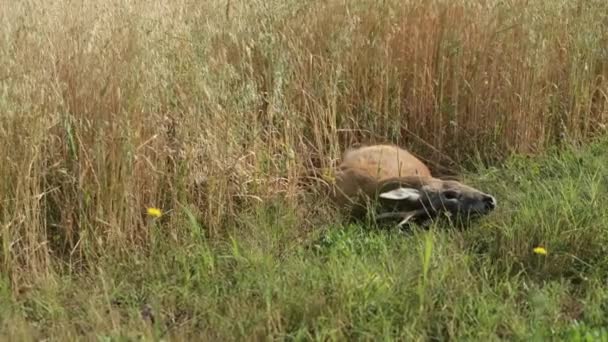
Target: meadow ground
{"x":267,"y":279}
{"x":229,"y":115}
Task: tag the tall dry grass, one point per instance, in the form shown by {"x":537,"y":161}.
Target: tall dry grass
{"x":108,"y":108}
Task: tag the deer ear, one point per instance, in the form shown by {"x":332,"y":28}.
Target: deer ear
{"x":402,"y":194}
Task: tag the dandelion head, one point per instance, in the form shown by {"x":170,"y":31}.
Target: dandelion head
{"x":154,"y":212}
{"x":540,"y":250}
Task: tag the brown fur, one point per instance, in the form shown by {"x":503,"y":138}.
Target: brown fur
{"x":384,"y":161}
{"x":362,"y":170}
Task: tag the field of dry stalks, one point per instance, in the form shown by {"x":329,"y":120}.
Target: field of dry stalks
{"x":213,"y":111}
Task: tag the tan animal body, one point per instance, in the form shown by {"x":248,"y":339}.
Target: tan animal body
{"x":402,"y":186}
{"x":384,"y":161}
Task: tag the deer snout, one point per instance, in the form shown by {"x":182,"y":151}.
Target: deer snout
{"x":489,"y":202}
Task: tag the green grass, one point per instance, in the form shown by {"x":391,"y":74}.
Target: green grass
{"x":266,"y":280}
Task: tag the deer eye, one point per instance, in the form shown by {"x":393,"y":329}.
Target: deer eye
{"x":451,"y":194}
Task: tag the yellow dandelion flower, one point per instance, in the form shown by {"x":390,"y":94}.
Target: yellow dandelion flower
{"x":540,"y":250}
{"x":154,"y":212}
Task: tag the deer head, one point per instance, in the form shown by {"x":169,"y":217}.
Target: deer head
{"x":425,"y":197}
